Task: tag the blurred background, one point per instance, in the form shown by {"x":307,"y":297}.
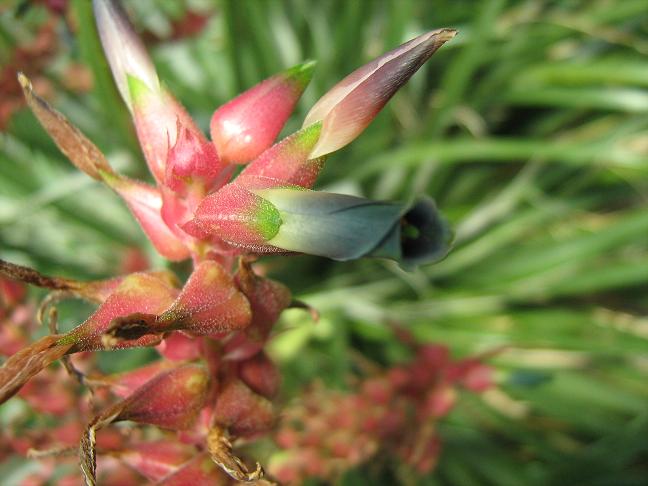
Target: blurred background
{"x":529,"y":129}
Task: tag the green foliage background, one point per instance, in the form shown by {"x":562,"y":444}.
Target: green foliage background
{"x":530,"y":129}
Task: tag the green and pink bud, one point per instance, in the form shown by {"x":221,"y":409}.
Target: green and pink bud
{"x":158,"y":118}
{"x":336,"y":226}
{"x":247,"y":125}
{"x":156,"y":113}
{"x":348,"y":108}
{"x":124,"y":50}
{"x":238,"y":216}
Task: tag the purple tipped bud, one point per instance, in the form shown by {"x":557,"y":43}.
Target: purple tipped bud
{"x":348,"y":108}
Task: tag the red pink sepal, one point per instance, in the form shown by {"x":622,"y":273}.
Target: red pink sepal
{"x":236,"y":215}
{"x":170,"y":400}
{"x":286,"y":163}
{"x":191,"y":161}
{"x":138,"y":293}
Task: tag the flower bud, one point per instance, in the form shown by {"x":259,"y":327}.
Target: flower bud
{"x":124,"y":50}
{"x":209,"y":303}
{"x":157,"y":116}
{"x":237,"y":215}
{"x":247,"y":125}
{"x":348,"y":108}
{"x":261,"y":375}
{"x":191,"y":161}
{"x":241,"y":411}
{"x":143,"y":293}
{"x":170,"y":400}
{"x":268,"y":299}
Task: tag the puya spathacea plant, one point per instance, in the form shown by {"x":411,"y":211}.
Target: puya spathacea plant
{"x":214,"y":382}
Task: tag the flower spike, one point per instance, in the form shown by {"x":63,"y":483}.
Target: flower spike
{"x":348,"y":108}
{"x":247,"y":125}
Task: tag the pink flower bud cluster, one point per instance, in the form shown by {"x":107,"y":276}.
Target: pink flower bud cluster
{"x":393,"y":413}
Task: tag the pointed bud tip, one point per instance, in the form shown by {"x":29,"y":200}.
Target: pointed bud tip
{"x":123,"y":48}
{"x":444,"y":35}
{"x":24,"y":81}
{"x":301,"y":73}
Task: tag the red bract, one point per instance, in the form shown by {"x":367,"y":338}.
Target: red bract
{"x":171,"y":400}
{"x":209,"y":303}
{"x":211,"y":387}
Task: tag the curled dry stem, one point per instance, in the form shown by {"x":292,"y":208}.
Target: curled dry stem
{"x":48,"y":302}
{"x":298,"y":304}
{"x":88,"y":444}
{"x":220,"y":450}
